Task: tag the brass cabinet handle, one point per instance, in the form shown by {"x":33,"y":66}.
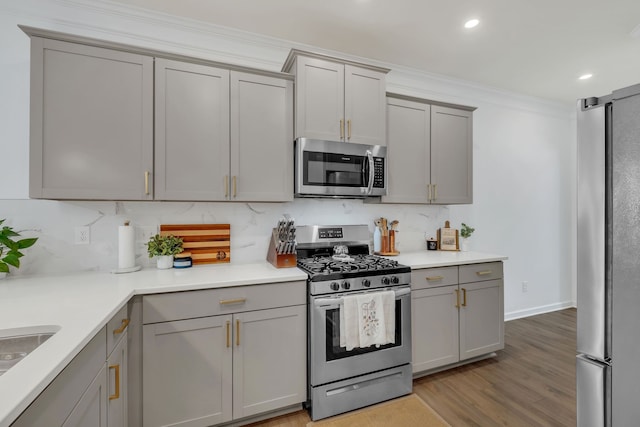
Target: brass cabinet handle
{"x":146,"y":182}
{"x":349,"y":129}
{"x":483,"y":273}
{"x":435,"y":278}
{"x":457,"y":298}
{"x":234,"y":187}
{"x":435,"y":192}
{"x":228,"y":334}
{"x":237,"y":332}
{"x":464,"y":297}
{"x":232,"y":301}
{"x":226,"y":186}
{"x":429,"y":189}
{"x":341,"y":129}
{"x":125,"y":323}
{"x":116,"y":395}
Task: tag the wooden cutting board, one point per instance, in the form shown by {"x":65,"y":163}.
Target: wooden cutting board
{"x":207,"y":243}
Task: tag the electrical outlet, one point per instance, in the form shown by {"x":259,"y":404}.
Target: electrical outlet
{"x":83,"y":235}
{"x":525,"y":286}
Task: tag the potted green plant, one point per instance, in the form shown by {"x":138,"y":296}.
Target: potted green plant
{"x":466,"y":232}
{"x":10,"y":248}
{"x":164,"y":247}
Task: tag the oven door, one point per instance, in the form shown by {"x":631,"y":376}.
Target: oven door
{"x":329,"y":168}
{"x":329,"y":362}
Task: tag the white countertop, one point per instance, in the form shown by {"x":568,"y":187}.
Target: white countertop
{"x":79,"y":305}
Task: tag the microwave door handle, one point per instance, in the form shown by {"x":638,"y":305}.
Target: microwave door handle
{"x":371,"y":172}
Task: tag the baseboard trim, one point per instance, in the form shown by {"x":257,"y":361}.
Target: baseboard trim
{"x":513,"y":315}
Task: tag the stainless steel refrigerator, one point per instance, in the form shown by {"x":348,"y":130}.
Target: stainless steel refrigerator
{"x":608,"y":244}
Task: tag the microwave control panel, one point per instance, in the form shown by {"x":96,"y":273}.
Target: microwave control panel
{"x":378,"y":172}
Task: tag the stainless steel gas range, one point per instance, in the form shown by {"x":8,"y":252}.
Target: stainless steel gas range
{"x":346,"y":377}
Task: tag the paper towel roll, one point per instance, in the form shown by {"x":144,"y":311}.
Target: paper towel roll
{"x":126,"y":246}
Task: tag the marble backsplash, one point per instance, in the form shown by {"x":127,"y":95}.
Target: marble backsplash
{"x":54,"y":223}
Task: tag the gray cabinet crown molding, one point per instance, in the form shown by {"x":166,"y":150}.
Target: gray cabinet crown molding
{"x":430,"y":101}
{"x":89,"y":41}
{"x":288,"y":63}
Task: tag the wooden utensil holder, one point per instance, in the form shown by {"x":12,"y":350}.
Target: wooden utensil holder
{"x":279,"y":260}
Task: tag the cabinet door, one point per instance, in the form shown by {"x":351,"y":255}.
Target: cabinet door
{"x":409,"y":158}
{"x":319,"y":99}
{"x":481,"y":318}
{"x":434,"y":327}
{"x":451,"y":155}
{"x":192,"y":131}
{"x":261,"y":138}
{"x":365,"y":106}
{"x":117,"y":369}
{"x":91,"y":410}
{"x":91,"y":122}
{"x":187,"y":372}
{"x":270,"y":361}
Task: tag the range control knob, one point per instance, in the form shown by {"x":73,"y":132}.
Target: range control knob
{"x":334,"y":286}
{"x":385,"y":280}
{"x":395,"y":280}
{"x":346,"y":285}
{"x":366,"y":283}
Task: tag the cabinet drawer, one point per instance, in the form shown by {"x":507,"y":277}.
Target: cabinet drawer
{"x":480,"y":272}
{"x":434,"y":277}
{"x":212,"y":302}
{"x":116,"y":328}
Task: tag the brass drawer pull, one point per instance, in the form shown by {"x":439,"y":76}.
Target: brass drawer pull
{"x":237,"y":332}
{"x":464,"y":297}
{"x":235,"y":192}
{"x":341,"y":129}
{"x":146,"y":182}
{"x":483,"y":273}
{"x":226,"y":186}
{"x":430,"y":278}
{"x":116,"y":395}
{"x":457,"y":298}
{"x":232,"y":301}
{"x":125,"y":323}
{"x":349,"y":129}
{"x":228,"y":334}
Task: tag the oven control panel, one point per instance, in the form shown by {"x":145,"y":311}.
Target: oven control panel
{"x":354,"y":284}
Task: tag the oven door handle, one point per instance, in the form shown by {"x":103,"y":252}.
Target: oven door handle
{"x":336,"y":301}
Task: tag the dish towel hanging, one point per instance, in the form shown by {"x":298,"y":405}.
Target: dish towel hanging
{"x":367,"y":319}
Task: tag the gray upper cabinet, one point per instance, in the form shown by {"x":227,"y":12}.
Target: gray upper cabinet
{"x":221,"y":134}
{"x":451,"y":155}
{"x":338,"y":100}
{"x":192,"y":131}
{"x":430,"y":152}
{"x":91,"y":122}
{"x":261,"y":167}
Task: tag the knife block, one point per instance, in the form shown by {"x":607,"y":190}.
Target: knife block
{"x":279,"y":260}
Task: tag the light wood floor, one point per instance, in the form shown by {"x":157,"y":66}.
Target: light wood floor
{"x":530,"y":383}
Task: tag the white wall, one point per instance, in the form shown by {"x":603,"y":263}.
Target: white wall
{"x":524,"y":163}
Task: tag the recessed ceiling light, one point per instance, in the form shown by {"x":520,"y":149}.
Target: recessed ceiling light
{"x":585,"y":76}
{"x":471,"y":23}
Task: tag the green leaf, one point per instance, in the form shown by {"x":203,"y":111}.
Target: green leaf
{"x":26,"y":243}
{"x":4,"y":268}
{"x":12,"y":259}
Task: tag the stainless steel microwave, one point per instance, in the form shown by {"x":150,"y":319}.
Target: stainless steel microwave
{"x":339,"y":169}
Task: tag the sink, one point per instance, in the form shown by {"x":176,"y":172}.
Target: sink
{"x":17,"y":343}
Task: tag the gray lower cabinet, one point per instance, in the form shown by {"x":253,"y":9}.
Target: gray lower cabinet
{"x":457,"y":314}
{"x":430,"y":152}
{"x":218,"y":355}
{"x":222,"y":134}
{"x":91,"y":134}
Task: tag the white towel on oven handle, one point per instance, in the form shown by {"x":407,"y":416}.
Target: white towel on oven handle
{"x":349,"y":324}
{"x":376,"y":316}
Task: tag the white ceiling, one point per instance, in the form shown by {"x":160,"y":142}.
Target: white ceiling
{"x":534,"y":47}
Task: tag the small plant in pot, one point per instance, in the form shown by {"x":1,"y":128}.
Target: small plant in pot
{"x":10,"y":248}
{"x":164,"y":247}
{"x":465,"y":233}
